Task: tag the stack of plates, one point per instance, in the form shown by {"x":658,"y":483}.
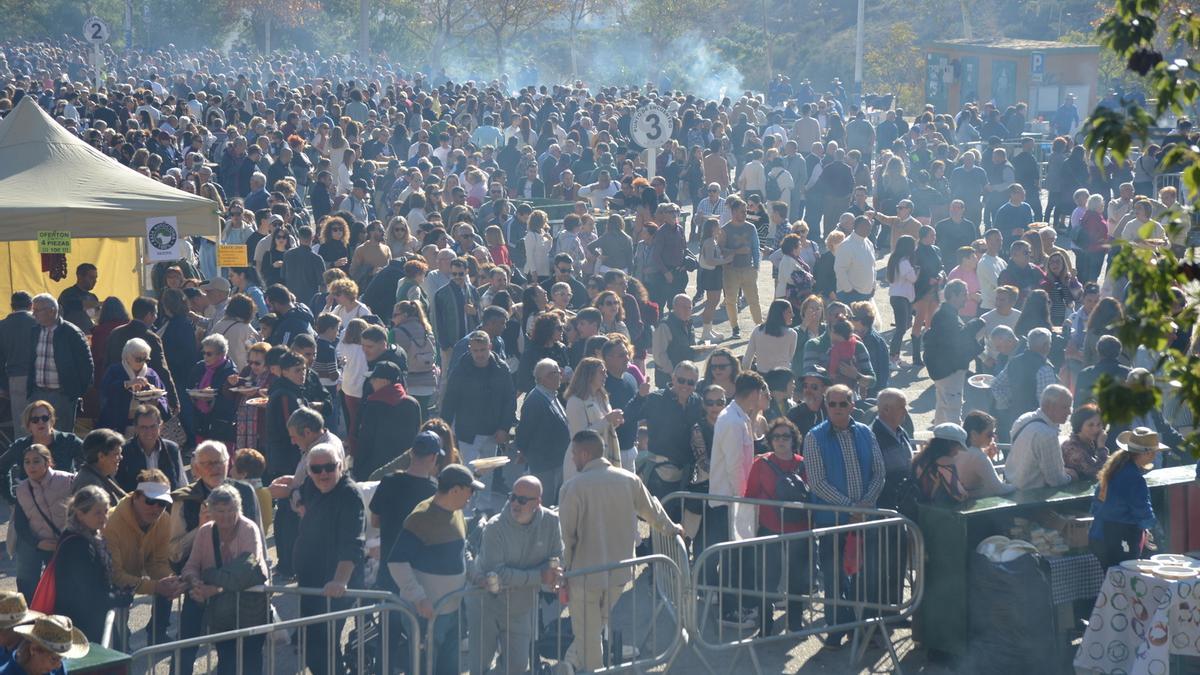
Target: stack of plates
{"x":1168,"y":566}
{"x":999,"y":548}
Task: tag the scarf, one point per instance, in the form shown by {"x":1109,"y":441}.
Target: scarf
{"x":205,"y":405}
{"x":131,"y":373}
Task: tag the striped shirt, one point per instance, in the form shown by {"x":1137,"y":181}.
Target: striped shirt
{"x":44,"y":367}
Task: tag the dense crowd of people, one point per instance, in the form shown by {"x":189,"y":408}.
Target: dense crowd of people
{"x":443,"y":273}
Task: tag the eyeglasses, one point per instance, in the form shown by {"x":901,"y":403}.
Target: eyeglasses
{"x":328,"y":467}
{"x":714,"y":403}
{"x":140,"y":359}
{"x":39,"y":419}
{"x":683,"y":381}
{"x":780,"y":437}
{"x":521,"y":500}
{"x":838,"y":404}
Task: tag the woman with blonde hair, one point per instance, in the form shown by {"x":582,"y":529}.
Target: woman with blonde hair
{"x":588,"y":408}
{"x":344,"y":292}
{"x":538,"y":244}
{"x":354,"y":368}
{"x":413,"y":334}
{"x":400,"y":239}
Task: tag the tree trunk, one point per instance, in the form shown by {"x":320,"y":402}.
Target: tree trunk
{"x":436,"y":48}
{"x":267,"y":33}
{"x":501,"y":54}
{"x":574,"y":55}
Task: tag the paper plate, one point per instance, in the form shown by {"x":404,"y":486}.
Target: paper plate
{"x":149,"y":393}
{"x":982,"y":381}
{"x":992,"y":546}
{"x":261,"y":400}
{"x":1140,"y":566}
{"x":489,"y":463}
{"x":244,"y":390}
{"x":202,"y":393}
{"x":1174,"y":559}
{"x":1015,"y":549}
{"x":1176,"y":572}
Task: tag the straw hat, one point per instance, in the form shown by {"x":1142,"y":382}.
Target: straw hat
{"x":57,"y":634}
{"x":14,"y":611}
{"x":1140,"y":439}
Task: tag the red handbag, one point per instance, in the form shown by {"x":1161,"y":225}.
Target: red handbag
{"x":46,"y":594}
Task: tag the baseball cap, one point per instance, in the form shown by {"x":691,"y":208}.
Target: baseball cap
{"x":155,"y":492}
{"x":457,"y":475}
{"x":216,"y":284}
{"x":428,"y":443}
{"x":386,"y":370}
{"x":950,"y":432}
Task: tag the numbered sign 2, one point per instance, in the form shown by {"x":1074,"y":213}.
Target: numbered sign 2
{"x":651,"y":126}
{"x":95,"y":30}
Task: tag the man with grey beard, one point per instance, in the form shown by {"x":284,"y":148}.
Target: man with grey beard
{"x":522,"y":546}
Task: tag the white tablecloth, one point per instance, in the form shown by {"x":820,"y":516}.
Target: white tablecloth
{"x":1138,"y":622}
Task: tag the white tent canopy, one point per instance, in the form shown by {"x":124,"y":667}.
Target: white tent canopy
{"x":53,"y":180}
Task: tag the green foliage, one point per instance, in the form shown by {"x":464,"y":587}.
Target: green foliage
{"x":1160,"y":42}
{"x":894,"y":65}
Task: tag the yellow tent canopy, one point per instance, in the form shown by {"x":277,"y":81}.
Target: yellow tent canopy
{"x":52,"y":180}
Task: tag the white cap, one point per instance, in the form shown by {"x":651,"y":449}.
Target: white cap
{"x":155,"y":492}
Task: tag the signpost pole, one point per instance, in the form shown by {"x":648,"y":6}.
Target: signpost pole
{"x":99,"y":64}
{"x":651,"y":162}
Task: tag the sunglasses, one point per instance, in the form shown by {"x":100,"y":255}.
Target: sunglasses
{"x":610,"y":303}
{"x":720,"y":366}
{"x":154,"y":503}
{"x":39,"y":419}
{"x":458,"y":275}
{"x":838,"y":404}
{"x":328,"y":467}
{"x":713,"y":404}
{"x":257,"y":363}
{"x":521,"y":500}
{"x":685,"y":382}
{"x":812,"y":386}
{"x":780,"y":437}
{"x":141,"y":359}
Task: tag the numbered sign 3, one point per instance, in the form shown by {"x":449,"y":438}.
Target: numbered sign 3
{"x":651,"y":126}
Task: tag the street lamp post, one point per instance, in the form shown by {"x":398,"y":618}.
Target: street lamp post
{"x":858,"y":50}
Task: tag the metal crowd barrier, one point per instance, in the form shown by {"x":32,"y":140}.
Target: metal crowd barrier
{"x":527,"y":628}
{"x":869,"y":567}
{"x":365,"y":650}
{"x":856,"y":577}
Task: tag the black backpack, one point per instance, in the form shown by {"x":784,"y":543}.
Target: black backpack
{"x":790,"y":487}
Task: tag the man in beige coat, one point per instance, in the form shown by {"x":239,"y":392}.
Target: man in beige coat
{"x":596,"y":511}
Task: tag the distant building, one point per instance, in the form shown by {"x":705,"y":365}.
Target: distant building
{"x":1006,"y":71}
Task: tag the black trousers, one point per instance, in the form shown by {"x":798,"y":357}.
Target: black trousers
{"x":1119,"y":542}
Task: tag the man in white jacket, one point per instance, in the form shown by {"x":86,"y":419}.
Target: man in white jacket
{"x":854,"y":264}
{"x":729,"y":467}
